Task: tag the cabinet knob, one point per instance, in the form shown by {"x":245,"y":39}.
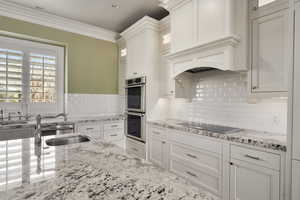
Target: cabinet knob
{"x":172,"y":92}
{"x":254,"y":88}
{"x":231,"y":163}
{"x":163,"y":142}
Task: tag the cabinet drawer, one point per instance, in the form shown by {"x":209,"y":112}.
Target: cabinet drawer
{"x":196,"y":141}
{"x":268,"y":160}
{"x":200,"y":177}
{"x":89,"y":127}
{"x":136,"y":148}
{"x":94,"y":134}
{"x":158,"y":132}
{"x":113,"y":135}
{"x":206,"y":160}
{"x":115,"y":125}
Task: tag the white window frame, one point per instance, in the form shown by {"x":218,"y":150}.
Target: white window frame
{"x":28,"y":47}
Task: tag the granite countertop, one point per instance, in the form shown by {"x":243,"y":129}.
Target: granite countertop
{"x":268,"y":140}
{"x":92,"y":170}
{"x":71,"y":119}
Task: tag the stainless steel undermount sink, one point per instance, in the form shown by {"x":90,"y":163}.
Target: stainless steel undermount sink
{"x":67,"y":140}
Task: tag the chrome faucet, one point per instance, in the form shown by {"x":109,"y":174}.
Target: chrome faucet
{"x":38,"y":131}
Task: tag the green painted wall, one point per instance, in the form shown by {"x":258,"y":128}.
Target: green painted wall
{"x":92,"y":63}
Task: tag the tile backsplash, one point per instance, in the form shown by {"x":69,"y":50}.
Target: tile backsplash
{"x":93,"y":104}
{"x":222,"y":98}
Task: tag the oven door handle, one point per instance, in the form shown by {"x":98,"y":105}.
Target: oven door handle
{"x":135,"y":114}
{"x":133,"y":86}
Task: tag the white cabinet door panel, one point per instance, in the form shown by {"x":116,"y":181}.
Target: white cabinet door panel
{"x":269,"y":53}
{"x":156,"y":151}
{"x":183,"y":26}
{"x":296,"y":100}
{"x":210,"y":27}
{"x":249,"y":182}
{"x":296,"y":180}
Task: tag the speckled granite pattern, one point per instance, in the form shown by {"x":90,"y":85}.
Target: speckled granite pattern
{"x":255,"y":138}
{"x":96,"y":170}
{"x":32,"y":123}
{"x":109,"y":118}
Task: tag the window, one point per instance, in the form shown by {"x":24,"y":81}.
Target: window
{"x":31,"y":76}
{"x":42,"y":78}
{"x":264,"y":2}
{"x":11,"y":64}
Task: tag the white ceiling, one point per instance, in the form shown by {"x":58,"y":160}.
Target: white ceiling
{"x":100,"y":12}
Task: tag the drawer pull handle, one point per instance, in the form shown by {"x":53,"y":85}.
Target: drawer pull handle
{"x":252,"y":157}
{"x":191,"y":156}
{"x":114,"y":135}
{"x":88,"y":129}
{"x":191,"y":174}
{"x":156,"y":132}
{"x":114,"y":126}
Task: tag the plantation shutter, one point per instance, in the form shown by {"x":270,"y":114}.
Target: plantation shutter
{"x":11,"y":64}
{"x":42,"y":78}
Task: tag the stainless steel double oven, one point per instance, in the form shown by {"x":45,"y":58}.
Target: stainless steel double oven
{"x":136,"y":108}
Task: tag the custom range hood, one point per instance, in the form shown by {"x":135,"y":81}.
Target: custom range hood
{"x":207,"y":34}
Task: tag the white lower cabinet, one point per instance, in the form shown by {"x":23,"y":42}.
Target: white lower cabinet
{"x":113,"y":131}
{"x":158,"y":152}
{"x":158,"y":147}
{"x":135,"y":148}
{"x":254,"y":175}
{"x":199,"y":166}
{"x":296,"y":180}
{"x":227,"y":170}
{"x":248,"y":182}
{"x":92,"y":129}
{"x":107,"y":131}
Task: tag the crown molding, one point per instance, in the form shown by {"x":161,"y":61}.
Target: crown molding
{"x":227,"y":41}
{"x":165,"y":24}
{"x":141,"y":25}
{"x":31,"y":15}
{"x":171,"y":4}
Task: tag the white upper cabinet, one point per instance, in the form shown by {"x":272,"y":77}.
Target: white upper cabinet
{"x":211,"y":20}
{"x":208,"y":33}
{"x":270,"y":59}
{"x":183,"y":27}
{"x":196,"y":22}
{"x":142,"y":47}
{"x":259,"y":8}
{"x":296,"y":87}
